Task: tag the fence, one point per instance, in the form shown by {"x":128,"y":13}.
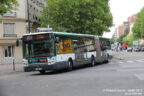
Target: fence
{"x":11,"y":64}
{"x":11,"y":61}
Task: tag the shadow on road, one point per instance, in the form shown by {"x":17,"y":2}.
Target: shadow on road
{"x":65,"y":71}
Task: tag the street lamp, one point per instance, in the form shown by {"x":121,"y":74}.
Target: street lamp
{"x":28,"y":17}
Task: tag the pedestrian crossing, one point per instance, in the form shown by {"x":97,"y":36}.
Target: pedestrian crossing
{"x":129,"y":61}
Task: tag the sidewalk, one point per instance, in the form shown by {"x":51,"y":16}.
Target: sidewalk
{"x":9,"y":68}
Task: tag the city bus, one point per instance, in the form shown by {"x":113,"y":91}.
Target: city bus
{"x":44,"y":51}
{"x":107,"y":43}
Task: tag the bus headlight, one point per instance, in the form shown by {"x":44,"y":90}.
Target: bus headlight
{"x":25,"y":62}
{"x":51,"y":61}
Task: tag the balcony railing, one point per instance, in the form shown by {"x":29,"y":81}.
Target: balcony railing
{"x":10,"y":14}
{"x":9,"y":35}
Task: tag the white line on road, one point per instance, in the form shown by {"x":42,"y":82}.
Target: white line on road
{"x":139,"y":60}
{"x":140,"y":76}
{"x":111,"y":63}
{"x":130,"y":61}
{"x":120,"y":62}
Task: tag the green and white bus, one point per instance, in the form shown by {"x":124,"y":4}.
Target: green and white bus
{"x":45,"y":51}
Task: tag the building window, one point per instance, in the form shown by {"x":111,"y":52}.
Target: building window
{"x":9,"y":30}
{"x":8,"y":51}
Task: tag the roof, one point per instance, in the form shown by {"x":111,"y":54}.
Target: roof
{"x":61,"y":33}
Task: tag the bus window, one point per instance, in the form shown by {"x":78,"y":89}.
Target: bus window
{"x":89,"y":44}
{"x":38,"y":48}
{"x":79,"y":44}
{"x":105,"y":44}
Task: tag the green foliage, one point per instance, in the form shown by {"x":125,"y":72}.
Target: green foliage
{"x":7,"y":5}
{"x":129,"y":39}
{"x":126,"y":32}
{"x":78,"y":16}
{"x":120,"y":39}
{"x":112,"y":40}
{"x":138,"y":29}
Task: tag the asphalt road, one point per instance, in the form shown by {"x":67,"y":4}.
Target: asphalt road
{"x":122,"y":76}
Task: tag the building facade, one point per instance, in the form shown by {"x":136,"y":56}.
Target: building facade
{"x":14,"y":24}
{"x":114,"y":36}
{"x":122,"y":28}
{"x":126,"y":26}
{"x":131,"y":21}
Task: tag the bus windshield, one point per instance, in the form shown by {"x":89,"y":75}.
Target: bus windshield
{"x":38,"y":48}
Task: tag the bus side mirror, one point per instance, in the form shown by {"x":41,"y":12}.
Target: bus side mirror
{"x":57,"y":40}
{"x":17,"y":42}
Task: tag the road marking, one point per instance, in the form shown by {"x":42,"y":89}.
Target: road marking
{"x":120,"y":62}
{"x":111,"y":63}
{"x":139,"y":60}
{"x":140,"y":76}
{"x":130,"y":61}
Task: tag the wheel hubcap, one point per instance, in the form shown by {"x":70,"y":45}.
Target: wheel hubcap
{"x":93,"y":63}
{"x":70,"y":65}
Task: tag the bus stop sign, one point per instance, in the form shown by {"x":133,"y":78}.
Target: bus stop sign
{"x":136,"y":43}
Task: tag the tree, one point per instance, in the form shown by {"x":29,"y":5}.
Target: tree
{"x":129,"y":39}
{"x":112,"y":40}
{"x":78,"y":16}
{"x":7,"y":5}
{"x":120,"y":39}
{"x":138,"y":29}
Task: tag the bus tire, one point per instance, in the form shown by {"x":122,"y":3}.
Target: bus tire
{"x":70,"y":65}
{"x":107,"y":59}
{"x":92,"y":61}
{"x":42,"y":72}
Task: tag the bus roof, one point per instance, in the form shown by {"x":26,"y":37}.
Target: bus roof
{"x":103,"y":37}
{"x":60,"y":33}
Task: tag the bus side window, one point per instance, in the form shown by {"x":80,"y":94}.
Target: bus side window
{"x":78,"y":44}
{"x":89,"y":44}
{"x":102,"y":45}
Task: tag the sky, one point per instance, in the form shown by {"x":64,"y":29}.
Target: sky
{"x":121,"y":10}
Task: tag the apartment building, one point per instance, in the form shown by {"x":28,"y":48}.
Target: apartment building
{"x":122,"y":28}
{"x":131,"y":21}
{"x":114,"y":36}
{"x":14,"y":24}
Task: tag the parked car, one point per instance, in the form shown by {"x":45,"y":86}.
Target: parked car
{"x":142,"y":48}
{"x":137,"y":49}
{"x":129,"y":49}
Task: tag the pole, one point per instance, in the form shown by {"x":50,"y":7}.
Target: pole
{"x":28,"y":17}
{"x":13,"y":65}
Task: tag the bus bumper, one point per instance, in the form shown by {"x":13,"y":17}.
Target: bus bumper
{"x":38,"y":67}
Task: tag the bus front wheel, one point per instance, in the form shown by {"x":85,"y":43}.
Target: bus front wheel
{"x":107,"y":59}
{"x":42,"y":72}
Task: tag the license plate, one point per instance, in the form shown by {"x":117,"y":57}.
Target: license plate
{"x":38,"y":69}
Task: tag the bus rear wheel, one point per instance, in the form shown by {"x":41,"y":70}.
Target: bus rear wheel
{"x":92,"y":61}
{"x":70,"y":65}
